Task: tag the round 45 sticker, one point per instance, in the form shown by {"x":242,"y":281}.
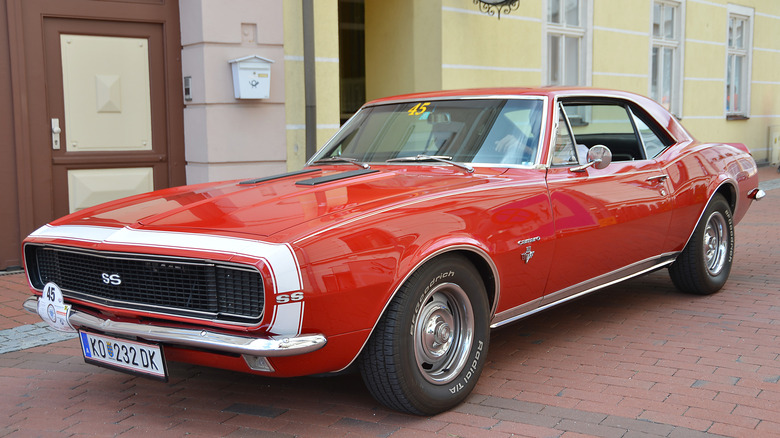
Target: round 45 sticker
{"x":53,"y":310}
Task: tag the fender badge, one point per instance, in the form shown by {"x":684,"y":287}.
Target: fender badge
{"x":526,"y":256}
{"x":531,"y":240}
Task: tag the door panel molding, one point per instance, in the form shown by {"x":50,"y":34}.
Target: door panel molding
{"x":119,"y":157}
{"x":88,"y":187}
{"x":106,"y":92}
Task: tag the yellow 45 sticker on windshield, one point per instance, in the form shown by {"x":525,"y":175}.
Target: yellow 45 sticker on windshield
{"x":418,"y":109}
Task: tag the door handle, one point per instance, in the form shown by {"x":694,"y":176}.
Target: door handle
{"x":55,"y":134}
{"x":659,"y":178}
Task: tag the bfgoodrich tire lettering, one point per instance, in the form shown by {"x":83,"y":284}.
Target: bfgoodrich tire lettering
{"x":429,"y":347}
{"x":705,"y":263}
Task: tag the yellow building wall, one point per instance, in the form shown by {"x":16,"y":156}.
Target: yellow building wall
{"x":765,"y":91}
{"x":621,"y":44}
{"x":705,"y":75}
{"x":479,"y":50}
{"x":414,"y":45}
{"x":326,"y":52}
{"x":423,"y":45}
{"x":403,"y":46}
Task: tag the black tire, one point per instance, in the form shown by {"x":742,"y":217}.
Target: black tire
{"x":705,"y":263}
{"x":429,"y":347}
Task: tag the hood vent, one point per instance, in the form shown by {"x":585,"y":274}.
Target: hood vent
{"x":333,"y":177}
{"x":284,"y":175}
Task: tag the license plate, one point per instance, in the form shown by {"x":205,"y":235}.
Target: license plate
{"x":123,"y":355}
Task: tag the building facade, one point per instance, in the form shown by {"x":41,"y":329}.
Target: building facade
{"x":715,"y":64}
{"x":102,"y":99}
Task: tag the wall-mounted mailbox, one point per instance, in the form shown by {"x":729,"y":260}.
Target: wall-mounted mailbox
{"x":251,"y":77}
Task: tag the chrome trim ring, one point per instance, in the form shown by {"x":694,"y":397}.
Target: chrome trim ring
{"x":443,"y":333}
{"x":715,"y":243}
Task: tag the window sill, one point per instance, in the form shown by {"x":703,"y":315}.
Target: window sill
{"x":737,"y":117}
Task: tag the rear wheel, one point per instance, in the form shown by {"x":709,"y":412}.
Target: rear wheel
{"x":705,"y":263}
{"x":429,"y":347}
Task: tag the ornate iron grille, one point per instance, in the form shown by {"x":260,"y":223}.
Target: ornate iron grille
{"x":177,"y":286}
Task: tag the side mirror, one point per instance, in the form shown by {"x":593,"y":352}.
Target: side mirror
{"x":599,"y":157}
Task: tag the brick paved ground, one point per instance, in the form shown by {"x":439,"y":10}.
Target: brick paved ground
{"x":634,"y":360}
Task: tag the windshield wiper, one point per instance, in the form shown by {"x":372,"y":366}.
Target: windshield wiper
{"x":440,"y":158}
{"x":343,"y":160}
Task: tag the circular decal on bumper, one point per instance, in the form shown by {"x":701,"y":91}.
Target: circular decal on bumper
{"x":53,"y":310}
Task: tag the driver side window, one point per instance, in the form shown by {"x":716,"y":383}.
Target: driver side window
{"x":606,"y":124}
{"x":611,"y":123}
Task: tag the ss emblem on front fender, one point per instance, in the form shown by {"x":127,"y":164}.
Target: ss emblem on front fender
{"x":286,"y":298}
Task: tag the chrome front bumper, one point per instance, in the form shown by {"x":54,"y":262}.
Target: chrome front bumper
{"x":265,"y":346}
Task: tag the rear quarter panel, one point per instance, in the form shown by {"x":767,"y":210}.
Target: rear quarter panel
{"x":696,"y":172}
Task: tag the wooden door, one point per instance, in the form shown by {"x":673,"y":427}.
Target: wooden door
{"x":110,"y":74}
{"x":39,"y":180}
{"x":9,"y":215}
{"x":105,"y":94}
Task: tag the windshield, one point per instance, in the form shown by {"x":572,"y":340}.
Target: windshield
{"x":482,"y":131}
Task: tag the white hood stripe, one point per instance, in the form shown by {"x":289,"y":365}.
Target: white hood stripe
{"x":281,"y":259}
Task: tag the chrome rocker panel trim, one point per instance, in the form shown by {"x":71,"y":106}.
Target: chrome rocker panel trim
{"x":584,"y":288}
{"x":267,"y":346}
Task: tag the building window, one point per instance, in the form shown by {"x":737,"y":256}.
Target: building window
{"x":738,"y":62}
{"x":666,"y":58}
{"x":567,"y":30}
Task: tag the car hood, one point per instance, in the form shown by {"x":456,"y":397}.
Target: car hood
{"x":266,"y":208}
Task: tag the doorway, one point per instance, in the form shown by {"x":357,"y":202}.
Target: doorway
{"x":352,"y":56}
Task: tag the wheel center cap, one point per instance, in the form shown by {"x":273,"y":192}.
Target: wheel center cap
{"x":443,"y":333}
{"x":437,"y":336}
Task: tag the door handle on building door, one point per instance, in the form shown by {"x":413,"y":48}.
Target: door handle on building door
{"x":55,"y":134}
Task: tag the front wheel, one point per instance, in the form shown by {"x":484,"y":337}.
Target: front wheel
{"x":705,"y":263}
{"x":429,"y":347}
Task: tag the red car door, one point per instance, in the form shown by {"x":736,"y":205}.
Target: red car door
{"x":605,"y":219}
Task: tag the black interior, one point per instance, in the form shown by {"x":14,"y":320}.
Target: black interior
{"x":624,"y":147}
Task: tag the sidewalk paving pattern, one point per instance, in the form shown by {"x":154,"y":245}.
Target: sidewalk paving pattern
{"x":637,"y":359}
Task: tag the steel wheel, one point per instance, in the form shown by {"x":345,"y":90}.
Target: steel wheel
{"x":443,"y":333}
{"x":428,"y":349}
{"x":716,"y":243}
{"x":704,"y":264}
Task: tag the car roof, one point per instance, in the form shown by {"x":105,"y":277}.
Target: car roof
{"x":508,"y":92}
{"x":662,"y":116}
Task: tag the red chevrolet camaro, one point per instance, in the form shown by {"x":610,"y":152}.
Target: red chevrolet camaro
{"x":426,"y":221}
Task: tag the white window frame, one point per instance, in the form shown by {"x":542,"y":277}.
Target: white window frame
{"x":584,"y":32}
{"x":677,"y":44}
{"x":747,"y":14}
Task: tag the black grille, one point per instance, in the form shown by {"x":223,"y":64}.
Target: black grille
{"x":187,"y":287}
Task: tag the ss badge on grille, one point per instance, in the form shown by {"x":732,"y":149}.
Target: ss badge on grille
{"x":113,"y":279}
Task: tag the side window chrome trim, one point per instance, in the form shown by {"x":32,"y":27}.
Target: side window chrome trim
{"x":559,"y":110}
